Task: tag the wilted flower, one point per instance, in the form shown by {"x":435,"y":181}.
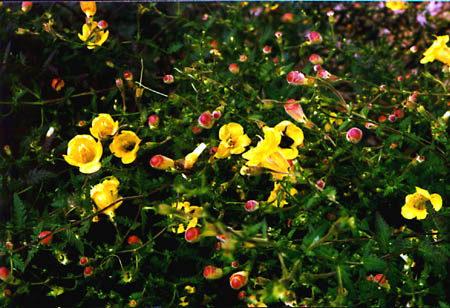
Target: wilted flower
{"x":84,"y":152}
{"x":125,"y":146}
{"x":93,"y":35}
{"x":105,"y":194}
{"x":233,"y":140}
{"x":438,"y":51}
{"x":415,"y":204}
{"x":103,"y":126}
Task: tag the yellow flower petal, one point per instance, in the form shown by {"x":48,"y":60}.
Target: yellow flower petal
{"x":125,"y":146}
{"x":408,"y":212}
{"x":103,"y":126}
{"x":436,"y":201}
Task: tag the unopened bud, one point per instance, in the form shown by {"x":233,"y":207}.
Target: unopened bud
{"x":239,"y":280}
{"x":192,"y":235}
{"x":206,"y":120}
{"x":354,"y":135}
{"x":212,"y":272}
{"x":161,"y":162}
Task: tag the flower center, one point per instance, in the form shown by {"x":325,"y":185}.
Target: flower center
{"x":229,"y":143}
{"x":129,"y":146}
{"x":85,"y":154}
{"x":419,"y":202}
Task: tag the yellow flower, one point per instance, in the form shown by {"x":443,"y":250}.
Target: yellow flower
{"x":84,"y":152}
{"x":396,"y":5}
{"x":257,"y":156}
{"x":103,"y":126}
{"x":106,"y":193}
{"x":192,"y":212}
{"x":125,"y":146}
{"x":332,"y":119}
{"x":273,"y":197}
{"x":192,"y":157}
{"x":438,"y":51}
{"x":183,"y":301}
{"x":189,"y":289}
{"x":292,"y":132}
{"x":93,"y":35}
{"x":233,"y":140}
{"x":415,"y":204}
{"x":88,"y":7}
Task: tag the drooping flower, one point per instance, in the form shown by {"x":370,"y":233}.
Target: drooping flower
{"x":106,"y":193}
{"x":233,"y":140}
{"x":103,"y":126}
{"x":275,"y":200}
{"x":88,"y":7}
{"x":415,"y":204}
{"x":125,"y":146}
{"x":93,"y":35}
{"x":396,"y":6}
{"x":438,"y":51}
{"x":84,"y":152}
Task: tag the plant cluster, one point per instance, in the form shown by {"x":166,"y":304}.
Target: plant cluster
{"x":195,"y":154}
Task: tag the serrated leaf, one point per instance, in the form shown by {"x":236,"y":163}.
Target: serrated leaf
{"x":18,"y":263}
{"x":383,"y":231}
{"x":19,"y":215}
{"x":175,"y":47}
{"x":374,"y":263}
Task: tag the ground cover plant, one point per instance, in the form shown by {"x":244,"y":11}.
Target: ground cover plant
{"x":247,"y":153}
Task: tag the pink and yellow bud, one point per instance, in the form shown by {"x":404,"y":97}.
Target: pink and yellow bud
{"x":161,"y":162}
{"x":267,"y":49}
{"x":102,"y":25}
{"x":26,"y":6}
{"x":315,"y":59}
{"x":128,"y":76}
{"x":296,"y":78}
{"x":192,"y":235}
{"x":233,"y":68}
{"x":168,"y":79}
{"x":239,"y":280}
{"x":354,"y":135}
{"x":206,"y":120}
{"x":251,"y":205}
{"x":295,"y":111}
{"x":314,"y":37}
{"x":212,"y":272}
{"x":153,"y":121}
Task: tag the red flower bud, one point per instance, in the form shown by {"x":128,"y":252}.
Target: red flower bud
{"x":392,"y":118}
{"x":88,"y":271}
{"x":315,"y":59}
{"x":4,"y":273}
{"x":382,"y":118}
{"x":251,"y":205}
{"x":134,"y":240}
{"x":84,"y":261}
{"x":212,"y":272}
{"x":57,"y":84}
{"x":102,"y":24}
{"x":354,"y":135}
{"x":46,"y":240}
{"x":239,"y":280}
{"x":192,"y":235}
{"x":233,"y":68}
{"x":26,"y":6}
{"x":241,"y":295}
{"x":267,"y":49}
{"x":206,"y":120}
{"x":153,"y":121}
{"x":295,"y":78}
{"x":314,"y":37}
{"x":127,"y":75}
{"x":168,"y":79}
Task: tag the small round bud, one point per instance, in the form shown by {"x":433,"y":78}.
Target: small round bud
{"x":192,"y":235}
{"x":102,"y":25}
{"x":267,"y":49}
{"x":134,"y":240}
{"x":212,"y":272}
{"x":315,"y":59}
{"x":153,"y":121}
{"x":314,"y":37}
{"x":128,"y":76}
{"x":26,"y":6}
{"x":4,"y":273}
{"x":88,"y":271}
{"x":206,"y":120}
{"x":392,"y":118}
{"x":168,"y":79}
{"x":251,"y":205}
{"x":239,"y":280}
{"x":47,"y":239}
{"x":233,"y":68}
{"x":354,"y":135}
{"x":84,"y":261}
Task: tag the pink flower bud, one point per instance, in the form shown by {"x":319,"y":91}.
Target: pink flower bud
{"x":119,"y":84}
{"x":314,"y":37}
{"x":102,"y":25}
{"x":128,"y":76}
{"x":294,"y":109}
{"x":234,"y":264}
{"x":205,"y":17}
{"x":317,"y":67}
{"x":315,"y":59}
{"x":251,"y":205}
{"x":212,"y":272}
{"x":354,"y":135}
{"x":216,"y":114}
{"x":324,"y":74}
{"x":206,"y":120}
{"x":153,"y":121}
{"x":243,"y":58}
{"x":4,"y":273}
{"x":192,"y":235}
{"x":330,"y":13}
{"x":278,"y":34}
{"x":392,"y":118}
{"x":161,"y":162}
{"x":399,"y":113}
{"x":295,"y":78}
{"x":267,"y":49}
{"x":168,"y":79}
{"x":383,"y":87}
{"x":26,"y":6}
{"x":239,"y":280}
{"x":320,"y":184}
{"x":287,"y":17}
{"x":233,"y":68}
{"x":414,"y":49}
{"x":420,"y":159}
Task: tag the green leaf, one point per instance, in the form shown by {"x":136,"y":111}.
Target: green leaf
{"x":175,"y":47}
{"x":383,"y":231}
{"x":373,"y":263}
{"x":19,"y":215}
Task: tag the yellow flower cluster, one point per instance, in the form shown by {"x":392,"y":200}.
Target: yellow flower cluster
{"x":84,"y":152}
{"x":92,"y":32}
{"x":193,"y":212}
